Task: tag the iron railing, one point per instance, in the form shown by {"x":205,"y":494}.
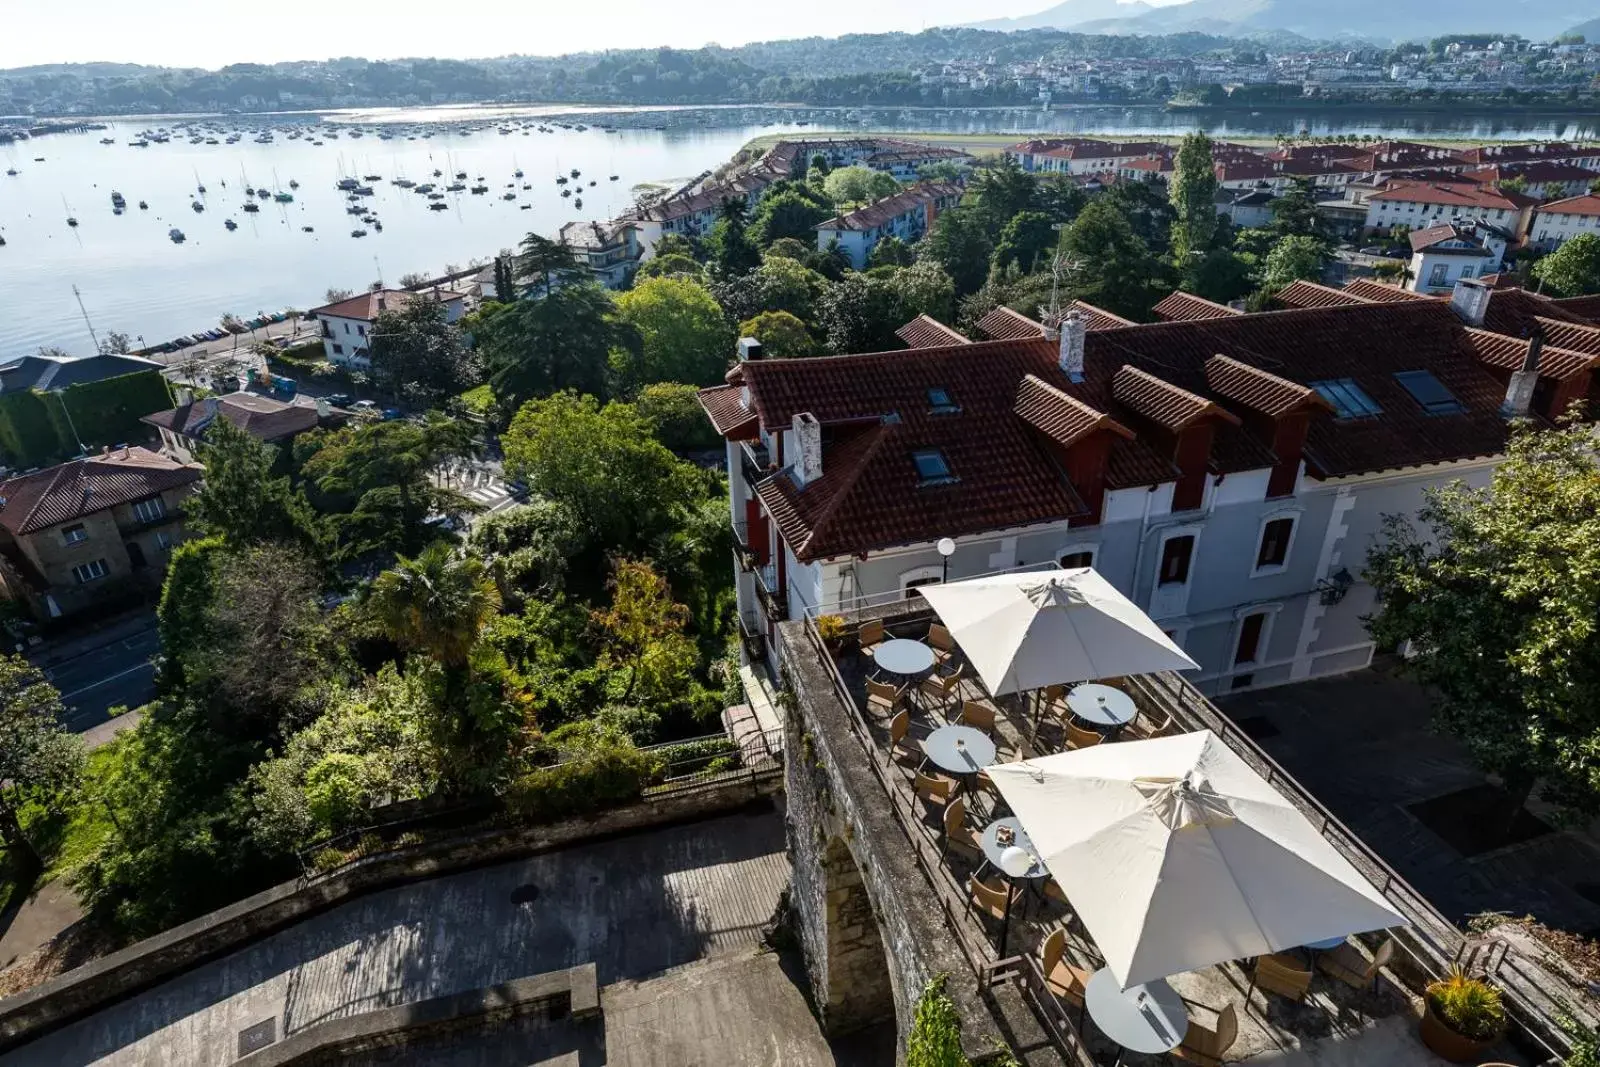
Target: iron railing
{"x":755,"y":463}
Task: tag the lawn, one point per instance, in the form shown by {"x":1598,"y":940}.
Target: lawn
{"x":68,"y":837}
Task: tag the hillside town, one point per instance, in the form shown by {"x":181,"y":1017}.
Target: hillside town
{"x":886,"y":599}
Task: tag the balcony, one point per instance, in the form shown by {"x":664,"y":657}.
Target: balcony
{"x":773,"y":604}
{"x":1375,"y":1020}
{"x":754,"y":463}
{"x":743,"y":549}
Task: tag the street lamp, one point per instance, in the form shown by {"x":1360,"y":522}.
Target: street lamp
{"x":947,"y":548}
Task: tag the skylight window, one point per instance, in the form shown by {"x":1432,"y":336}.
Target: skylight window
{"x":931,"y":466}
{"x":1429,"y":392}
{"x":939,"y":402}
{"x":1349,"y":400}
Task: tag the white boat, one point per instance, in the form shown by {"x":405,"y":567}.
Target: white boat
{"x":176,"y":235}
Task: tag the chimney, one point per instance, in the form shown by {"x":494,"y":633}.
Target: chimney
{"x":1074,"y":328}
{"x":383,"y":304}
{"x":1519,"y":393}
{"x":749,"y":349}
{"x":1470,"y":300}
{"x":807,"y":466}
{"x":324,"y":409}
{"x":185,"y":396}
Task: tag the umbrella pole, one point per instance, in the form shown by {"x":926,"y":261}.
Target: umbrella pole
{"x":1005,"y":920}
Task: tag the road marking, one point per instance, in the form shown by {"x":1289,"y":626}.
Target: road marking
{"x":108,"y":678}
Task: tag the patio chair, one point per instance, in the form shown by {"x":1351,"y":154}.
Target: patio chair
{"x":933,"y":790}
{"x":1350,"y":965}
{"x":1066,"y":981}
{"x":1144,"y":728}
{"x":978,"y":715}
{"x":939,"y":687}
{"x":1282,"y":974}
{"x":991,"y":901}
{"x":882,"y":698}
{"x":906,"y":753}
{"x":957,"y":834}
{"x":1078,"y":737}
{"x":870,"y":636}
{"x":1206,"y":1046}
{"x":943,"y":645}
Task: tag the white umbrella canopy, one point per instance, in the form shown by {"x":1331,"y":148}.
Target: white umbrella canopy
{"x":1177,"y":855}
{"x":1029,"y":630}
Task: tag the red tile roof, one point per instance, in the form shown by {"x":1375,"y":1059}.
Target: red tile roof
{"x":1003,"y":324}
{"x":1064,"y":419}
{"x":1534,"y":173}
{"x":724,"y":405}
{"x":1304,"y":294}
{"x":1454,"y":195}
{"x":79,"y":487}
{"x":1163,"y":403}
{"x":1434,"y":236}
{"x":1181,"y":306}
{"x":366,"y":306}
{"x":881,"y":212}
{"x":1098,"y":318}
{"x":1508,"y":353}
{"x":262,"y":417}
{"x":1259,"y":390}
{"x":925,"y":331}
{"x":1380,"y":293}
{"x":1584,"y":307}
{"x":1587,"y":204}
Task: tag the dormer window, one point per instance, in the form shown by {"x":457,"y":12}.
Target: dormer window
{"x":939,"y":402}
{"x":1429,"y":392}
{"x":931,"y":466}
{"x":1349,"y":400}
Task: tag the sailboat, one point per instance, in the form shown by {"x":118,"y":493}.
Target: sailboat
{"x":199,"y":186}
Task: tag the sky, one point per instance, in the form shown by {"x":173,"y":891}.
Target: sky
{"x":185,"y":33}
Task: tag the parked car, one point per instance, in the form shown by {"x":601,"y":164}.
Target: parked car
{"x":1372,"y":250}
{"x":339,"y":400}
{"x":390,"y":414}
{"x":365,"y":408}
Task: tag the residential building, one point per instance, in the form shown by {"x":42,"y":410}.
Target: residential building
{"x":1559,"y":221}
{"x":347,"y":324}
{"x":1419,"y":205}
{"x":610,"y":250}
{"x":1081,"y":155}
{"x":271,"y":421}
{"x":1458,"y":250}
{"x":906,"y":215}
{"x":1227,"y":472}
{"x":1545,"y":179}
{"x":1248,"y":208}
{"x":53,"y":374}
{"x":91,"y":530}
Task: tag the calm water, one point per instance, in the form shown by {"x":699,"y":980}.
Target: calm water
{"x":134,"y":279}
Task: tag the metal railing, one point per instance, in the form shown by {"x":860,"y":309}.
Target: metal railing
{"x":774,"y":605}
{"x":755,"y":463}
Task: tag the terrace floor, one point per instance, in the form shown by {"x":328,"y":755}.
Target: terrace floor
{"x":1271,"y":1028}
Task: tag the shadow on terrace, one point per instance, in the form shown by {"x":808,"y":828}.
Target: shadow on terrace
{"x":1333,"y":995}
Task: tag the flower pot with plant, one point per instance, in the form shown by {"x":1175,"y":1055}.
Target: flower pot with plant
{"x":831,"y":629}
{"x":1462,"y":1017}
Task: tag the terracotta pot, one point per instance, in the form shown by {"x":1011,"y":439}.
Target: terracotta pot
{"x":1445,"y":1042}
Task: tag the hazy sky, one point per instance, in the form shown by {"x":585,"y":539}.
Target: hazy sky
{"x":218,"y":32}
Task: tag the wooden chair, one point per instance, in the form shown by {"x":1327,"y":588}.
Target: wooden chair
{"x":883,"y":698}
{"x":1060,"y":977}
{"x":943,"y":645}
{"x":934,"y":790}
{"x":1282,"y":974}
{"x":1350,"y":965}
{"x":870,"y":636}
{"x":906,"y":753}
{"x":1053,"y":891}
{"x":957,"y":834}
{"x":939,"y":687}
{"x":1206,"y":1046}
{"x":980,"y":716}
{"x":1078,"y":737}
{"x":1143,"y":727}
{"x":988,"y":900}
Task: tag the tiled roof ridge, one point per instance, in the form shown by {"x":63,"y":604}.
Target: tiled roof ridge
{"x":1335,"y":297}
{"x":927,"y":323}
{"x":1554,"y":361}
{"x":74,"y":466}
{"x":1288,"y":395}
{"x":1033,"y":391}
{"x":1094,"y":310}
{"x":1129,"y":378}
{"x":1179,"y":298}
{"x":872,"y":442}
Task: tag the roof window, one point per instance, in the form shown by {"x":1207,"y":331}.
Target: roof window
{"x":1429,"y":392}
{"x":1349,"y":400}
{"x":931,"y":466}
{"x":939,"y":402}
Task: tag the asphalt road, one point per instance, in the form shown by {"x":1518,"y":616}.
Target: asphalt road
{"x":96,"y":680}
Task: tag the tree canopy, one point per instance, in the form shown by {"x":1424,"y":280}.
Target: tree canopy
{"x":1573,"y":269}
{"x":683,"y":336}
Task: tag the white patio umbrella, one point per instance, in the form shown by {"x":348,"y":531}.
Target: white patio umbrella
{"x":1026,"y":631}
{"x":1177,"y":855}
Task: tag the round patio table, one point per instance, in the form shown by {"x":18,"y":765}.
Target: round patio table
{"x":1102,"y":705}
{"x":903,"y":657}
{"x":992,"y":848}
{"x":1325,"y":945}
{"x":959,"y":749}
{"x":1147,"y":1018}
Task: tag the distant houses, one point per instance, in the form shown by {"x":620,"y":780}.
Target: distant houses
{"x":347,"y":324}
{"x":906,"y":215}
{"x":52,"y":407}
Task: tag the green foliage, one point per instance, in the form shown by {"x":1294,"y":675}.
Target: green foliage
{"x":891,"y":252}
{"x":790,"y":248}
{"x":1001,"y":191}
{"x":542,"y":266}
{"x":1499,"y":597}
{"x":961,"y":243}
{"x":1192,"y":193}
{"x":732,"y":251}
{"x":435,"y":603}
{"x":243,"y":502}
{"x":852,"y":186}
{"x":1024,"y":241}
{"x":860,"y":314}
{"x":1469,"y":1006}
{"x":1294,"y":211}
{"x":935,"y":1037}
{"x":591,"y":768}
{"x":1573,"y":269}
{"x":790,"y":213}
{"x":528,"y":549}
{"x":186,"y":598}
{"x":1115,"y":268}
{"x":39,"y":759}
{"x":1292,"y":259}
{"x":683,"y":336}
{"x":418,"y":356}
{"x":37,"y":428}
{"x":560,"y":341}
{"x":675,"y":265}
{"x":782,"y":336}
{"x":675,"y":417}
{"x":924,"y":288}
{"x":644,"y":634}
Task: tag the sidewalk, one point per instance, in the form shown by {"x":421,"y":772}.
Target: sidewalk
{"x":56,"y":650}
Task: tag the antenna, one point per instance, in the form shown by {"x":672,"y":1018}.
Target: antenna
{"x":1062,"y":267}
{"x":375,"y":263}
{"x":86,"y":322}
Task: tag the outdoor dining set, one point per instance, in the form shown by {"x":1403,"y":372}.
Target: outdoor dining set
{"x":1147,"y":852}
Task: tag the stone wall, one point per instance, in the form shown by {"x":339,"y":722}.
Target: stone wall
{"x":139,"y":966}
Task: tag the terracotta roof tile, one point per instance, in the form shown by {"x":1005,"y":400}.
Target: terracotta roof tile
{"x":925,"y":331}
{"x":724,"y":405}
{"x":880,"y":212}
{"x":1098,"y":318}
{"x":1587,"y":204}
{"x":37,"y":501}
{"x":1508,"y":353}
{"x":1163,"y":403}
{"x":1378,"y":292}
{"x":262,"y":417}
{"x":1064,"y":419}
{"x":1584,"y":307}
{"x":1182,"y":306}
{"x":1003,"y":324}
{"x":1305,"y":294}
{"x":1257,"y":389}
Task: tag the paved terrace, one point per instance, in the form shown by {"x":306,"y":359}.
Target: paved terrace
{"x":1335,"y":1025}
{"x":634,"y":907}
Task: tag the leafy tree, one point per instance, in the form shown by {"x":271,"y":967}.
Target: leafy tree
{"x":789,"y":214}
{"x":644,"y":633}
{"x":960,"y":243}
{"x":415,"y":353}
{"x":732,"y":251}
{"x":790,"y":248}
{"x":1193,"y":193}
{"x":1292,"y":259}
{"x":860,"y":314}
{"x":1059,"y":197}
{"x":673,"y":412}
{"x":785,"y":285}
{"x":1573,"y":269}
{"x":505,"y":278}
{"x":543,"y":266}
{"x":334,"y":294}
{"x":782,"y":336}
{"x":891,"y":252}
{"x":859,"y":185}
{"x":1148,"y":212}
{"x":832,"y":262}
{"x":1115,"y":267}
{"x":1517,"y":183}
{"x":1002,"y":191}
{"x":677,"y":244}
{"x":671,"y":266}
{"x":935,"y":1037}
{"x":435,"y":603}
{"x":243,"y":502}
{"x":563,"y":341}
{"x":1024,"y":241}
{"x":1221,"y":275}
{"x":39,"y":758}
{"x":603,"y":464}
{"x":528,"y":549}
{"x":1294,"y":211}
{"x":923,"y":289}
{"x":683,"y":336}
{"x":1499,"y":597}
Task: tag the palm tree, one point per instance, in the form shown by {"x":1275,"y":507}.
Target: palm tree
{"x":436,"y":603}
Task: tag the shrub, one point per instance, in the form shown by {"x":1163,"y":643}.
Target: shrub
{"x":1468,"y":1006}
{"x":599,"y":769}
{"x":326,"y":860}
{"x":831,"y":627}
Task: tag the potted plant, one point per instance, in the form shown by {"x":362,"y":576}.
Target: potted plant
{"x":831,"y":629}
{"x":1462,"y":1017}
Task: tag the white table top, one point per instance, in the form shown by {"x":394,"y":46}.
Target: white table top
{"x":1147,"y":1018}
{"x":1102,"y":705}
{"x":904,"y":657}
{"x":992,"y":847}
{"x":1326,"y":944}
{"x":959,"y":749}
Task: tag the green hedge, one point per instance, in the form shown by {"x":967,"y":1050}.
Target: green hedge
{"x":604,"y":777}
{"x":35,"y":429}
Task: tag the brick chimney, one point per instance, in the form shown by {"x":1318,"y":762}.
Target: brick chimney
{"x":1519,"y":393}
{"x":1074,"y":328}
{"x":750,"y":349}
{"x":807,"y":466}
{"x":1470,"y":300}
